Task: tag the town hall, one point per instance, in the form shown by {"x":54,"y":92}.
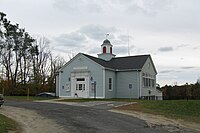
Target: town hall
{"x":108,"y":76}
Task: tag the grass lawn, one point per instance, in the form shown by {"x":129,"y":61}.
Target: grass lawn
{"x":178,"y":109}
{"x":25,"y":98}
{"x":6,"y":124}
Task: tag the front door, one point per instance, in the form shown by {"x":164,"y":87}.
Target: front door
{"x":80,"y":90}
{"x":80,"y":84}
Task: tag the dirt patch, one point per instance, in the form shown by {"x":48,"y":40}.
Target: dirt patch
{"x":31,"y":121}
{"x":170,"y":125}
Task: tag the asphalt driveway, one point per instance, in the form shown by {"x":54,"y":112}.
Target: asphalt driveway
{"x":88,"y":119}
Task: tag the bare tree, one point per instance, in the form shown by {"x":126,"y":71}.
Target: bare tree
{"x":26,"y":60}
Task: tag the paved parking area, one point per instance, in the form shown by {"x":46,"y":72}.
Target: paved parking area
{"x":90,"y":118}
{"x":94,"y":104}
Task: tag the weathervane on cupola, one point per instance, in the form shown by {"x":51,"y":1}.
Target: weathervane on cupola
{"x":106,"y":50}
{"x":107,"y":35}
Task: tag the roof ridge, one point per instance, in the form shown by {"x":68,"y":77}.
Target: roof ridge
{"x":95,"y":57}
{"x":122,"y":63}
{"x":132,"y":56}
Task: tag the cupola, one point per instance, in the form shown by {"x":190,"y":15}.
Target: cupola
{"x":106,"y":51}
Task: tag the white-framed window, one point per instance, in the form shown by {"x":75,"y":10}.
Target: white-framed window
{"x":148,"y":80}
{"x":67,"y":89}
{"x":80,"y":87}
{"x":110,"y":84}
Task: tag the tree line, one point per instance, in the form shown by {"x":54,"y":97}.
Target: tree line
{"x":187,"y":91}
{"x":25,"y":62}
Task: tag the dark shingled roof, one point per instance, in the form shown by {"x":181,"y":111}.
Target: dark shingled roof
{"x":122,"y":63}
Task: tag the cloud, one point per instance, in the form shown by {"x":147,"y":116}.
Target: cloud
{"x":169,"y":71}
{"x":120,"y":50}
{"x":95,"y":50}
{"x":165,"y":49}
{"x":97,"y":32}
{"x":78,"y":6}
{"x":149,"y":7}
{"x":125,"y":38}
{"x":74,"y":39}
{"x":96,"y":6}
{"x":63,"y":50}
{"x":195,"y":48}
{"x":165,"y":71}
{"x":188,"y":67}
{"x":182,"y":45}
{"x":83,"y":38}
{"x":93,"y":7}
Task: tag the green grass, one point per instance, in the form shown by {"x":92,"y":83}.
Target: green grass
{"x":6,"y":125}
{"x":25,"y":98}
{"x":178,"y":109}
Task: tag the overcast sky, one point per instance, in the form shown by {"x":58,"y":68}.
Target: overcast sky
{"x":169,"y":30}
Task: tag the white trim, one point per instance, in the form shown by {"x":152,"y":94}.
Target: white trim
{"x":110,"y":69}
{"x":139,"y":82}
{"x":80,"y":97}
{"x":86,"y":76}
{"x":59,"y":84}
{"x":104,"y":79}
{"x":124,"y":70}
{"x":140,"y":77}
{"x":96,"y":97}
{"x":80,"y":68}
{"x":65,"y":96}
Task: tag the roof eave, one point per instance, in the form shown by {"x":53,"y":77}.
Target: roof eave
{"x":121,"y":70}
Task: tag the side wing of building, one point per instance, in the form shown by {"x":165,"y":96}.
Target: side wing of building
{"x":148,"y":81}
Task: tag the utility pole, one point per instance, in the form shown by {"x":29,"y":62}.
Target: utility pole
{"x":128,"y":46}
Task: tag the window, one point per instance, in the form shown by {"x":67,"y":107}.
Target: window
{"x":80,"y":87}
{"x":67,"y":87}
{"x":111,"y":50}
{"x":149,"y":65}
{"x":80,"y":79}
{"x":110,"y":84}
{"x":148,"y":80}
{"x":104,"y":49}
